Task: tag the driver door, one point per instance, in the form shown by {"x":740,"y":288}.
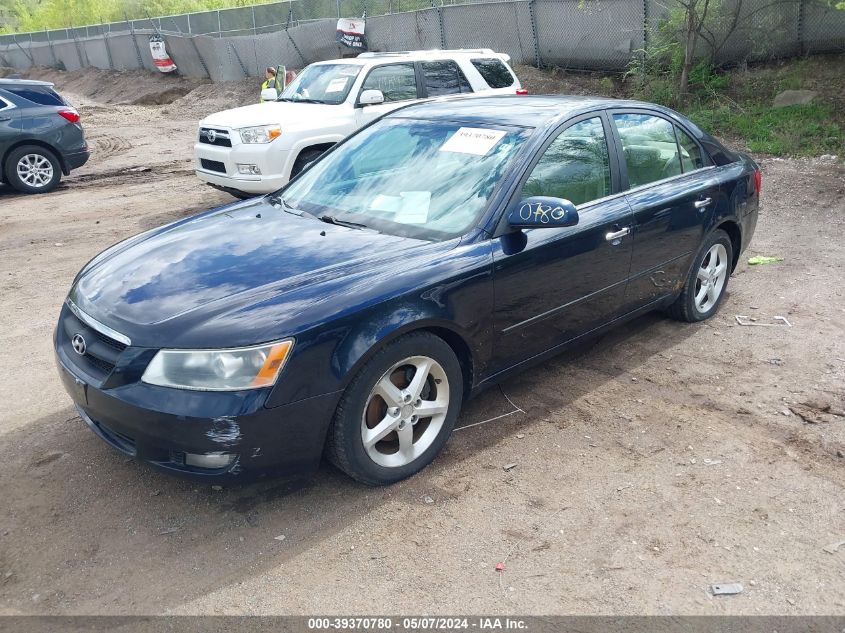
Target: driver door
{"x":397,"y":82}
{"x":554,"y":284}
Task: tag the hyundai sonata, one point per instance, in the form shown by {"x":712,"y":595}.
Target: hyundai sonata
{"x":424,"y":258}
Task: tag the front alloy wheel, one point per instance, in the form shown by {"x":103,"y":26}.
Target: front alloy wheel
{"x":398,"y":411}
{"x":405,"y":411}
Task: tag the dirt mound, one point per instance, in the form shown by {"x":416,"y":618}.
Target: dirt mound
{"x":131,"y":87}
{"x":209,"y":98}
{"x":229,"y":94}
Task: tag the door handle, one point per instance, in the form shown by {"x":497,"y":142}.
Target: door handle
{"x":615,"y":235}
{"x":5,"y":118}
{"x":700,"y":204}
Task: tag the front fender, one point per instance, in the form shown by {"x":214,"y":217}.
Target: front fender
{"x":362,"y":345}
{"x":449,"y":292}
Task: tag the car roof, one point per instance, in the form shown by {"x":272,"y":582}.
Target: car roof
{"x":532,"y":111}
{"x":6,"y":81}
{"x":378,"y":58}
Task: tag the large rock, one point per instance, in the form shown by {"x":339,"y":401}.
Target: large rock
{"x":794,"y":97}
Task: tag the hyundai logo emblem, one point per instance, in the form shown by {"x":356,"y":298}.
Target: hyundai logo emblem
{"x":78,"y":344}
{"x":211,"y":135}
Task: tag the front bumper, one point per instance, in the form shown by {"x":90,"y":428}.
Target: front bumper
{"x":257,"y":185}
{"x":162,"y":426}
{"x":270,"y":158}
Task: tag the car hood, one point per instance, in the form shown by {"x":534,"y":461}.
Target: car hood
{"x":281,"y":112}
{"x":211,"y":265}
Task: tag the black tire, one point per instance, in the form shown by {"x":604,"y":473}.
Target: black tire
{"x":304,"y":159}
{"x":14,"y":179}
{"x":345,"y":444}
{"x":685,"y":307}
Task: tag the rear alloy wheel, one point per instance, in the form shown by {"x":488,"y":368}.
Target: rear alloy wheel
{"x":33,"y":169}
{"x":706,"y":282}
{"x":398,"y":412}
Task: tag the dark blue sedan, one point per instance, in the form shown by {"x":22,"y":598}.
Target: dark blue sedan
{"x":424,"y":258}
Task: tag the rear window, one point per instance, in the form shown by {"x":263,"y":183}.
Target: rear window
{"x":42,"y":95}
{"x":494,"y":71}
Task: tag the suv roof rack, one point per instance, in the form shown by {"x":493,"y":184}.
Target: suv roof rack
{"x":479,"y":51}
{"x":17,"y":81}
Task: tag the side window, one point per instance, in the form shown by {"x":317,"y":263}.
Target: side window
{"x":648,"y":142}
{"x":494,"y":72}
{"x":691,"y":157}
{"x":397,"y":82}
{"x":444,"y":78}
{"x":576,"y":166}
{"x":38,"y":94}
{"x":4,"y":104}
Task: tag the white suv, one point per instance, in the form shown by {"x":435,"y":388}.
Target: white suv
{"x":257,"y":149}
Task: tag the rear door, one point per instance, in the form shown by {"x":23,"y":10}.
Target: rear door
{"x":553,"y":284}
{"x":672,"y":190}
{"x":9,"y":125}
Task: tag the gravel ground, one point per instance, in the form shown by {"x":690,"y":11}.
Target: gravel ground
{"x":650,"y":464}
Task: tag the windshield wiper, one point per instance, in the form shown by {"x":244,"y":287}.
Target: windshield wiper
{"x":330,"y":219}
{"x":288,"y":99}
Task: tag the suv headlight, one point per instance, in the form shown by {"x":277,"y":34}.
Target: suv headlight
{"x":260,"y":133}
{"x":219,"y":369}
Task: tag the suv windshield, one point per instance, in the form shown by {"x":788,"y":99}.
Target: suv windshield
{"x":415,"y":178}
{"x":323,"y":83}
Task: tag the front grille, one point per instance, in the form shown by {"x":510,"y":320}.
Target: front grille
{"x":117,"y":345}
{"x":104,"y":366}
{"x":101,"y":351}
{"x":214,"y":136}
{"x":213,"y":165}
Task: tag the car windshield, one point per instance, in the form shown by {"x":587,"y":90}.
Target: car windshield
{"x":322,"y":83}
{"x":416,"y":178}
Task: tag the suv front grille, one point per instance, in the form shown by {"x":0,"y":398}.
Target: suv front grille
{"x":214,"y":136}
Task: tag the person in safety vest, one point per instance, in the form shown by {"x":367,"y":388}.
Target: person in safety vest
{"x":269,"y":79}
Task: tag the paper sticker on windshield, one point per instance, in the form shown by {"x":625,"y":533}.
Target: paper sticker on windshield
{"x":414,"y":209}
{"x":337,"y":85}
{"x":473,"y":140}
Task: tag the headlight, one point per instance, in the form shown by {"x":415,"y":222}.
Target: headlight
{"x":260,"y":133}
{"x":219,"y":369}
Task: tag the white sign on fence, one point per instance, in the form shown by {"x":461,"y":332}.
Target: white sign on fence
{"x":161,"y":59}
{"x":350,"y":33}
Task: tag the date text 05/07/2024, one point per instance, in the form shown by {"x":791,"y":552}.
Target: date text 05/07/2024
{"x":424,"y":623}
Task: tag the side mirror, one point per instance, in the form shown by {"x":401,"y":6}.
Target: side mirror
{"x":539,"y":212}
{"x":371,"y":97}
{"x":269,"y":94}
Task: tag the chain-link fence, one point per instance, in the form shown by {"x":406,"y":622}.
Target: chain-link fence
{"x":232,"y":44}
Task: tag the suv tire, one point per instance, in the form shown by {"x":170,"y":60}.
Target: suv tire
{"x":33,"y":169}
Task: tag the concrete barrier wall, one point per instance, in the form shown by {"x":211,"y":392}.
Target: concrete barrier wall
{"x":602,"y":35}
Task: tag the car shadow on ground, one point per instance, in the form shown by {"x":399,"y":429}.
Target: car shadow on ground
{"x":85,"y":527}
{"x":8,"y":193}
